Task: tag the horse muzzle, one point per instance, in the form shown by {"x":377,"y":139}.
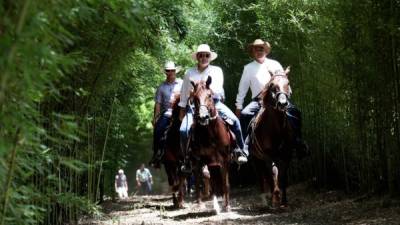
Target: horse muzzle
{"x":282,"y":102}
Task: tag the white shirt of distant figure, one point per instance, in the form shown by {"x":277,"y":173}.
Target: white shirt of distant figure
{"x":121,"y":185}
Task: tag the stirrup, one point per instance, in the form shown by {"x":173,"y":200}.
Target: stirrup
{"x":155,"y":163}
{"x":186,"y":168}
{"x":239,"y":156}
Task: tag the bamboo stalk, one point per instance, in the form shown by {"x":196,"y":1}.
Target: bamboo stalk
{"x":10,"y":175}
{"x":104,"y":148}
{"x":13,"y":50}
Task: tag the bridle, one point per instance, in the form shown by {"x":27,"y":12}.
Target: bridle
{"x":204,"y":112}
{"x":279,"y":98}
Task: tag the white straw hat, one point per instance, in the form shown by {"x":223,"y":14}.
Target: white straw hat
{"x":170,"y":65}
{"x":258,"y":42}
{"x":204,"y":48}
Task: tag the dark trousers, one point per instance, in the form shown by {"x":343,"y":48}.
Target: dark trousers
{"x":159,"y":133}
{"x":145,"y":188}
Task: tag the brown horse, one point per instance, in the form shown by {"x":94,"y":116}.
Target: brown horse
{"x":270,"y":143}
{"x":173,"y":157}
{"x":211,"y":142}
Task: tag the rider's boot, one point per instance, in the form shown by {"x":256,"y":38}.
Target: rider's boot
{"x":156,"y":159}
{"x":240,"y":155}
{"x":186,"y":167}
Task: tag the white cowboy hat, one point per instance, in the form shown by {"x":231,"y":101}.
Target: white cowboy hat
{"x":120,"y":171}
{"x":169,"y":65}
{"x":204,"y":48}
{"x":259,"y":42}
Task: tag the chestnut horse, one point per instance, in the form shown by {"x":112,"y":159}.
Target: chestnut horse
{"x":173,"y":157}
{"x":211,"y":142}
{"x":271,"y":148}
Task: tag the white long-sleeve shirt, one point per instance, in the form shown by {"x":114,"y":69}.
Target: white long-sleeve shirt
{"x":255,"y":76}
{"x":193,"y":74}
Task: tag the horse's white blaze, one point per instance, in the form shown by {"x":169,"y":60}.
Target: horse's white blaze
{"x":203,"y":112}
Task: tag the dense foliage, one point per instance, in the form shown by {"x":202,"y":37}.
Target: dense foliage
{"x":77,"y":80}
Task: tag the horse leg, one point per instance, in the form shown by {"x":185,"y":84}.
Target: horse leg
{"x":198,"y":178}
{"x":181,"y":191}
{"x":259,"y":166}
{"x":276,"y":192}
{"x":283,"y":182}
{"x":269,"y":179}
{"x":206,"y":182}
{"x":225,"y":187}
{"x":174,"y":200}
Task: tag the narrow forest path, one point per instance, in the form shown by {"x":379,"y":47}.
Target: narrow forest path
{"x":328,"y":207}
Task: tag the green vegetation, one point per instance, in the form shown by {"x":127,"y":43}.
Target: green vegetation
{"x":77,"y":80}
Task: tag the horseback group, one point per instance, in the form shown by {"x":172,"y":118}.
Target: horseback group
{"x":195,"y":132}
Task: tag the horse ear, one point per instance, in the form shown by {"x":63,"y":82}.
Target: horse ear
{"x":270,"y":73}
{"x":287,"y":71}
{"x":208,"y":82}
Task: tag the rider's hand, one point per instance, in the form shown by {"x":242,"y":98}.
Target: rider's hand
{"x":238,"y":112}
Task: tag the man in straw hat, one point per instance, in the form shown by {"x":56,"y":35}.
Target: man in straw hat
{"x":256,"y":75}
{"x":165,"y":96}
{"x":204,"y":56}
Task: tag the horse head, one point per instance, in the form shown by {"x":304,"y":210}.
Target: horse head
{"x":277,"y":92}
{"x":204,"y":105}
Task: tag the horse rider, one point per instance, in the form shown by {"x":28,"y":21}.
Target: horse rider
{"x":165,"y":96}
{"x":256,"y":75}
{"x":202,"y":71}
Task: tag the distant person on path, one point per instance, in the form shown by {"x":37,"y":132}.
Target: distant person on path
{"x":165,"y":96}
{"x":144,"y":180}
{"x":121,"y":185}
{"x":255,"y":76}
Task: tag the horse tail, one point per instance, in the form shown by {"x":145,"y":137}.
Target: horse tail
{"x":216,"y":180}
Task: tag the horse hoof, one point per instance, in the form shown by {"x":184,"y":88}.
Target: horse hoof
{"x":284,"y":206}
{"x":202,"y":206}
{"x":227,"y":208}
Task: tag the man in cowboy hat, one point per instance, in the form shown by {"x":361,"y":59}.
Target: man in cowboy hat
{"x":202,"y":71}
{"x":165,"y":96}
{"x":256,"y":75}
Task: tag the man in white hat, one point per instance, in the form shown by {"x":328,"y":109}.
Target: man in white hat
{"x":202,"y":71}
{"x":255,"y":76}
{"x":121,"y":185}
{"x":164,"y":98}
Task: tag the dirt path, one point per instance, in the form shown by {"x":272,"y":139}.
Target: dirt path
{"x":306,"y":207}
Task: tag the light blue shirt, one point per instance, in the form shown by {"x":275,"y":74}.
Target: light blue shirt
{"x":144,"y":175}
{"x":166,"y":94}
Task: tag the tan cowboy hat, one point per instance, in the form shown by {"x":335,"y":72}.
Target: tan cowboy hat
{"x":258,"y":42}
{"x":170,"y":65}
{"x":204,"y":48}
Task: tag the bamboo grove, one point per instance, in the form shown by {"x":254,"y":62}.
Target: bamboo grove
{"x":77,"y":80}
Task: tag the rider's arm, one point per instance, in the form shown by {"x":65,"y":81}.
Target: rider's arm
{"x":185,"y":92}
{"x":157,"y":105}
{"x":244,"y":85}
{"x":157,"y":109}
{"x":137,"y":178}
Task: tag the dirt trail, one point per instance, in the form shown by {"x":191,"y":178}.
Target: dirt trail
{"x":329,"y":207}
